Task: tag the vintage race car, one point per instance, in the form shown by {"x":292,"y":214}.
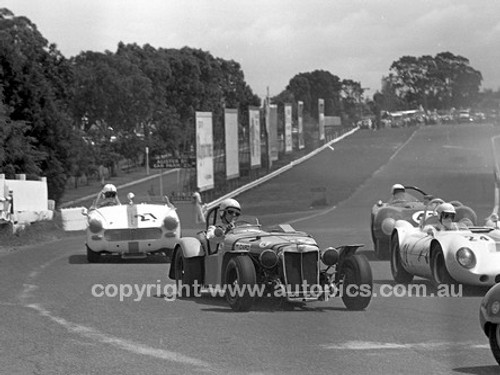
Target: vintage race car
{"x":489,"y":318}
{"x":409,"y":207}
{"x":278,"y":261}
{"x":467,"y":254}
{"x":132,"y":230}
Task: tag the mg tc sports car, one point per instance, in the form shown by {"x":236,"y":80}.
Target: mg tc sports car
{"x":132,"y":230}
{"x":407,"y":206}
{"x":465,"y":254}
{"x":489,"y":318}
{"x":280,"y":261}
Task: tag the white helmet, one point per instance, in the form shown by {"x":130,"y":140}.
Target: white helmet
{"x":109,"y":191}
{"x":445,"y":208}
{"x":397,"y":187}
{"x":229,"y":203}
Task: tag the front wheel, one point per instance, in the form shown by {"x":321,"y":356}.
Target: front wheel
{"x":187,"y":273}
{"x":240,"y":278}
{"x":494,"y":336}
{"x":399,"y":274}
{"x":438,"y":265}
{"x":358,"y":282}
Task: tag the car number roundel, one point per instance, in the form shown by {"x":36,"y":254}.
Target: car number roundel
{"x":417,"y":216}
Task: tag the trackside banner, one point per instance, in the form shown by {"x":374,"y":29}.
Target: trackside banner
{"x":288,"y":128}
{"x":255,"y":152}
{"x":300,"y":124}
{"x":321,"y":118}
{"x":232,"y":154}
{"x":273,"y":131}
{"x":204,"y":151}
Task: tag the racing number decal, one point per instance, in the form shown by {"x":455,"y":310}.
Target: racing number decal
{"x":417,"y":216}
{"x":479,"y":238}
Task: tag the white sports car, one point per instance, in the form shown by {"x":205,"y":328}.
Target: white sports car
{"x":131,"y":230}
{"x":468,"y":255}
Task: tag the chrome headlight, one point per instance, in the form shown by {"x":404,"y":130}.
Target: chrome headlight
{"x":330,"y":256}
{"x":95,"y":225}
{"x":170,"y":223}
{"x":388,"y":225}
{"x":268,"y":259}
{"x":465,"y":257}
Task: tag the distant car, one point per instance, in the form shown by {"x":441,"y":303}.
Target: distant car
{"x":464,"y":116}
{"x":409,"y":207}
{"x":132,"y":230}
{"x":489,"y":318}
{"x":469,"y":255}
{"x":278,"y":259}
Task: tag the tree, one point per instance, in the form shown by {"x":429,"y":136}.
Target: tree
{"x":35,"y":78}
{"x":442,"y":81}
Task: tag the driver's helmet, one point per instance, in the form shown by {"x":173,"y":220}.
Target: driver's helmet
{"x":229,"y":206}
{"x":109,"y":191}
{"x":446,"y":210}
{"x":397,"y":188}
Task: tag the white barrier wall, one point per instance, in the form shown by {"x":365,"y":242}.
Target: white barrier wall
{"x":29,"y":199}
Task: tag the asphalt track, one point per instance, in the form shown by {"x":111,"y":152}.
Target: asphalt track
{"x":52,"y":324}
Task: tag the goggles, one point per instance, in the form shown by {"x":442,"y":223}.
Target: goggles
{"x":233,"y":212}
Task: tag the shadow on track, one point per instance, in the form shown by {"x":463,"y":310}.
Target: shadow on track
{"x":478,"y":370}
{"x":268,"y":305}
{"x":152,"y":259}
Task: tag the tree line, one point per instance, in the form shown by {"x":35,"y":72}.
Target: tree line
{"x":62,"y":117}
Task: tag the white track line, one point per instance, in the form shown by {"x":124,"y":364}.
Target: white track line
{"x":91,"y":333}
{"x":369,"y":345}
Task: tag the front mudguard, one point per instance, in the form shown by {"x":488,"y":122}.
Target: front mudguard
{"x":190,"y":247}
{"x":344,"y":252}
{"x":486,"y":316}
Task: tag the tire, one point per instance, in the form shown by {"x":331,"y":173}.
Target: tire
{"x":187,"y":274}
{"x":399,"y":274}
{"x":382,"y":249}
{"x":440,"y":273}
{"x":358,"y":282}
{"x":92,"y":256}
{"x":240,"y":271}
{"x":494,"y":336}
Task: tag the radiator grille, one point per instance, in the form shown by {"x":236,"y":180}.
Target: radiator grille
{"x":133,"y":234}
{"x":301,"y":269}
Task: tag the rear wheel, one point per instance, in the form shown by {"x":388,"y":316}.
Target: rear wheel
{"x":358,"y":282}
{"x":399,"y":274}
{"x":438,"y":265}
{"x":494,"y":336}
{"x":187,"y":273}
{"x":240,"y":277}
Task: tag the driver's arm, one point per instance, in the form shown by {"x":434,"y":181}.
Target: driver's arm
{"x":215,"y":233}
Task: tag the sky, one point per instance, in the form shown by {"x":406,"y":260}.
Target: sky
{"x":274,"y":40}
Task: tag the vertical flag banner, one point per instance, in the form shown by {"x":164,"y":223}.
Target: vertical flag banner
{"x":255,"y":152}
{"x":300,"y":124}
{"x":321,"y":118}
{"x":273,"y":131}
{"x":288,"y":128}
{"x":204,"y":151}
{"x":267,"y":119}
{"x":232,"y":154}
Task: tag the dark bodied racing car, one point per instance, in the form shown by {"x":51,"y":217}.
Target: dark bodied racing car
{"x":408,"y":206}
{"x":279,"y":260}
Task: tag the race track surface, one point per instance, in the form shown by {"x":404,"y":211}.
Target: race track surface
{"x":52,"y":324}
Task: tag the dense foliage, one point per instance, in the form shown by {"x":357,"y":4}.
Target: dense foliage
{"x":439,"y":82}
